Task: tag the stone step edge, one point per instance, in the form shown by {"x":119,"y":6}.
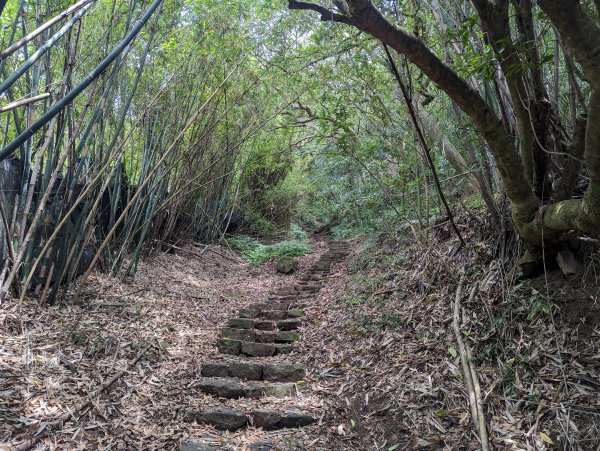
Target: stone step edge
{"x":228,"y":388}
{"x":251,"y":348}
{"x":276,"y":304}
{"x":274,"y":315}
{"x":261,"y":336}
{"x":268,"y":372}
{"x":200,"y":445}
{"x":262,"y":324}
{"x":234,"y":419}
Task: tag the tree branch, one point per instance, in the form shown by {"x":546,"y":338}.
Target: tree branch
{"x":327,"y":15}
{"x":367,"y":18}
{"x":580,"y":34}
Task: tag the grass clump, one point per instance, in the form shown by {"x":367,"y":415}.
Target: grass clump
{"x":255,"y":252}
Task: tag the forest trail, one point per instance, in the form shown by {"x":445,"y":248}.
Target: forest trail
{"x":184,"y":317}
{"x":372,"y":368}
{"x":265,"y":333}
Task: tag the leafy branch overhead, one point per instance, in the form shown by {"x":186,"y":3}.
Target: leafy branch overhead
{"x":522,"y":164}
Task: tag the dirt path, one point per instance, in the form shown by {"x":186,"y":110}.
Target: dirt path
{"x":370,"y":367}
{"x":52,"y":359}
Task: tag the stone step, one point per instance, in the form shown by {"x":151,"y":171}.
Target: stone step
{"x":240,"y":370}
{"x":321,"y":266}
{"x":312,"y":278}
{"x":226,"y":419}
{"x":277,"y":301}
{"x":282,"y":336}
{"x":233,"y":389}
{"x":278,"y":315}
{"x":315,"y":287}
{"x":249,"y":313}
{"x":263,"y":336}
{"x":289,"y":324}
{"x":292,"y":297}
{"x":223,"y":419}
{"x":238,"y":334}
{"x":278,"y":310}
{"x":251,"y":348}
{"x":261,"y":445}
{"x":284,"y":373}
{"x":265,"y":325}
{"x":297,"y":291}
{"x":299,"y":295}
{"x":240,"y":323}
{"x":279,"y":304}
{"x":274,"y":314}
{"x":276,"y":305}
{"x":295,"y":313}
{"x":272,"y":419}
{"x":254,"y":371}
{"x":284,"y":324}
{"x":198,"y":446}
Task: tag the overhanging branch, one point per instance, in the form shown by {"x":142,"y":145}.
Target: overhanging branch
{"x":327,"y":15}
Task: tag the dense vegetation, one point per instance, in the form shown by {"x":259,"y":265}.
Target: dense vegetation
{"x":452,"y":147}
{"x":133,"y":126}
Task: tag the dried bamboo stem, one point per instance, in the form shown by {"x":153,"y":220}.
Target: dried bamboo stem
{"x":71,"y":412}
{"x":20,"y":43}
{"x":23,"y":102}
{"x":471,"y":379}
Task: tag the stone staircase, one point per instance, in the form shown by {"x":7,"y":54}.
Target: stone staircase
{"x":257,"y":346}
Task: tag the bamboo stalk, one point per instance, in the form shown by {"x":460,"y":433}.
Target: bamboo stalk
{"x":147,"y":180}
{"x":91,"y":184}
{"x":469,"y":373}
{"x":40,"y":52}
{"x":21,"y":42}
{"x":67,"y":99}
{"x":22,"y":102}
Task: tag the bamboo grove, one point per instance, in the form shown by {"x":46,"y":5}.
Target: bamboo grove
{"x":110,"y":148}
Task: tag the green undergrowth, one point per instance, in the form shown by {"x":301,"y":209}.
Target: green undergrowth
{"x":256,"y":253}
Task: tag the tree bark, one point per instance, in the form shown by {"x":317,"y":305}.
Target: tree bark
{"x":571,"y":166}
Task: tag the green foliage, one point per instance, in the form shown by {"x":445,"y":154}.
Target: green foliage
{"x":297,"y":233}
{"x":541,"y":305}
{"x":269,"y":196}
{"x":474,"y":202}
{"x":256,"y":224}
{"x":255,"y":252}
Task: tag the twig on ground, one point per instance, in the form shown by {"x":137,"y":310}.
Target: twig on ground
{"x":386,"y":291}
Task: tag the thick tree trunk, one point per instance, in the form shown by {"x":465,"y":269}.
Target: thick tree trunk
{"x":572,"y":161}
{"x":583,"y":215}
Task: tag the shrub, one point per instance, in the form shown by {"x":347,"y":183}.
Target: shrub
{"x":255,"y":252}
